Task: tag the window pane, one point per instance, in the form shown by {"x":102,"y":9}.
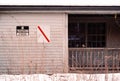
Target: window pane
{"x":76,"y":33}
{"x":96,"y":35}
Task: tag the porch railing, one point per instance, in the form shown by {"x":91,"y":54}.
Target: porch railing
{"x":94,"y":58}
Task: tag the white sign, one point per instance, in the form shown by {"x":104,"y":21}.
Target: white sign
{"x":43,"y":34}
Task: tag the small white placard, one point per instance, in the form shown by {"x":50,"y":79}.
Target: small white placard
{"x":43,"y":34}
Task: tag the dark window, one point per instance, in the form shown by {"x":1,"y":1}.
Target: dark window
{"x":87,"y":34}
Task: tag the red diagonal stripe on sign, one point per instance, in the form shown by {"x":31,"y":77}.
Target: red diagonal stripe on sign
{"x":43,"y":34}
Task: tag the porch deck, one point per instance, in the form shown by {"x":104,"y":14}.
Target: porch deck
{"x":94,"y":59}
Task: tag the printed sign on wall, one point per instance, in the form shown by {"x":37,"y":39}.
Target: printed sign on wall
{"x":43,"y":34}
{"x":22,"y":30}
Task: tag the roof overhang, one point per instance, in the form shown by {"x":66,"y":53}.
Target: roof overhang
{"x":61,"y":9}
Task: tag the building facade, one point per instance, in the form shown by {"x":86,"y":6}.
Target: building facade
{"x":59,"y":39}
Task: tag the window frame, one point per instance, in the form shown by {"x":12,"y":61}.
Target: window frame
{"x":86,"y":34}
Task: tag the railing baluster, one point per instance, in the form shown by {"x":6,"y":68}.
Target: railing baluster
{"x":118,"y":59}
{"x":87,"y":58}
{"x":82,"y":58}
{"x":79,"y":57}
{"x":91,"y":59}
{"x":76,"y":59}
{"x":72,"y":59}
{"x":98,"y":62}
{"x":113,"y":59}
{"x":102,"y":56}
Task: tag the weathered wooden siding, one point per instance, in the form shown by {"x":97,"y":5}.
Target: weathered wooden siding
{"x":23,"y":54}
